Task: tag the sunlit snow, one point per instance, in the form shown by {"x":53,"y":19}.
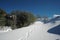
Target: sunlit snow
{"x":36,"y":31}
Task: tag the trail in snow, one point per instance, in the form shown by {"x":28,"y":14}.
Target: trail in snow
{"x":36,"y":31}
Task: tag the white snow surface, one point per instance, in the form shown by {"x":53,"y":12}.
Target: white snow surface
{"x":5,"y":29}
{"x":36,"y":31}
{"x":55,"y":15}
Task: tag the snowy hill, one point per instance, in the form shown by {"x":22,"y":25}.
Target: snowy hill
{"x":54,"y":19}
{"x":36,"y":31}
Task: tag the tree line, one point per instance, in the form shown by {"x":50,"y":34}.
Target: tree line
{"x":16,"y":19}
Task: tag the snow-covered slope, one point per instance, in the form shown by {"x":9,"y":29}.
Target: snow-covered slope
{"x":54,"y":19}
{"x":55,"y":15}
{"x":36,"y":31}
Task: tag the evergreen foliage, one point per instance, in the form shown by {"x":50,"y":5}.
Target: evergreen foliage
{"x":23,"y":19}
{"x":16,"y":19}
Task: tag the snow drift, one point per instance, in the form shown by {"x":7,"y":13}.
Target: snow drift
{"x":36,"y":31}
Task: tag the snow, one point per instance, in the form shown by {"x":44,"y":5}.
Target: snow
{"x":55,"y":15}
{"x":5,"y":29}
{"x":36,"y":31}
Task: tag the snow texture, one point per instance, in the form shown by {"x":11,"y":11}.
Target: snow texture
{"x":36,"y":31}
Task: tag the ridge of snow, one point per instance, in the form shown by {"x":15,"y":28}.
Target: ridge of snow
{"x":55,"y":15}
{"x":36,"y":31}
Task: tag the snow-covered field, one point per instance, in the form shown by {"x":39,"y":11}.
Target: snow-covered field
{"x":36,"y":31}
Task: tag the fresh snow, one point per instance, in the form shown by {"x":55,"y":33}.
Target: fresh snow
{"x":36,"y":31}
{"x":5,"y":29}
{"x":56,"y":15}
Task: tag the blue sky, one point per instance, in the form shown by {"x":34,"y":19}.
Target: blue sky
{"x":38,"y":7}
